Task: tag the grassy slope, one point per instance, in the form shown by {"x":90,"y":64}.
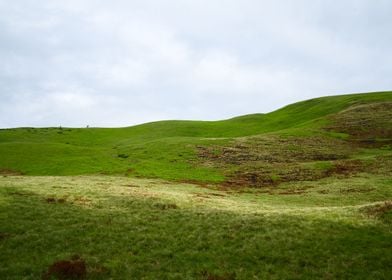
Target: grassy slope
{"x":163,"y":149}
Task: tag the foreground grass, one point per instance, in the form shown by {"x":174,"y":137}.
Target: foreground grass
{"x":151,"y":229}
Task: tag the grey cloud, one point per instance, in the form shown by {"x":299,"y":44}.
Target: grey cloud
{"x":125,"y":62}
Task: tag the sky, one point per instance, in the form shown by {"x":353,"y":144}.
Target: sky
{"x":124,"y":62}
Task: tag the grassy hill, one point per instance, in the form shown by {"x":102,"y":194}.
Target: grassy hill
{"x":165,"y":149}
{"x":304,"y":192}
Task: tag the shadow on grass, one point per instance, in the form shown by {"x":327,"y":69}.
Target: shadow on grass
{"x":127,"y":237}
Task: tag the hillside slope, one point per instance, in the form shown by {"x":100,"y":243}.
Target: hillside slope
{"x":317,"y":133}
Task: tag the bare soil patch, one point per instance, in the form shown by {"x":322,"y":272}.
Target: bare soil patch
{"x":67,"y":269}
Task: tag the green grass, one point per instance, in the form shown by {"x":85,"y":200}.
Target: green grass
{"x":127,"y":229}
{"x":166,"y":149}
{"x":303,"y":192}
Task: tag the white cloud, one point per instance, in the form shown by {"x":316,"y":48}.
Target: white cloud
{"x":128,"y":62}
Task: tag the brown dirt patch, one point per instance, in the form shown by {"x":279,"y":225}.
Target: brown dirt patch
{"x":346,"y":167}
{"x":10,"y":172}
{"x":4,"y":235}
{"x":50,"y":200}
{"x":211,"y":276}
{"x":67,"y":269}
{"x":55,"y":200}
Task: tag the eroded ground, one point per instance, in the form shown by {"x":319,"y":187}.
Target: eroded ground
{"x":356,"y":140}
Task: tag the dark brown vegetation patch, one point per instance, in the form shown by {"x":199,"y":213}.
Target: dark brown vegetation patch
{"x":346,"y":167}
{"x":271,"y":175}
{"x":55,"y":200}
{"x":10,"y":172}
{"x":381,"y":165}
{"x":365,"y":123}
{"x":267,"y":161}
{"x":211,"y":276}
{"x":274,"y":149}
{"x":67,"y":269}
{"x":4,"y":235}
{"x":378,"y":210}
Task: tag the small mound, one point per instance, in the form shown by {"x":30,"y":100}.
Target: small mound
{"x":67,"y":269}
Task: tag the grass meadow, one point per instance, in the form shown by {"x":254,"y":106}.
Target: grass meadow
{"x":127,"y":228}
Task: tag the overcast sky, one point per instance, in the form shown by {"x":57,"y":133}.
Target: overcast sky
{"x":124,"y":62}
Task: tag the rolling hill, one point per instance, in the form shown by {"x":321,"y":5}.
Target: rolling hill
{"x":177,"y":150}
